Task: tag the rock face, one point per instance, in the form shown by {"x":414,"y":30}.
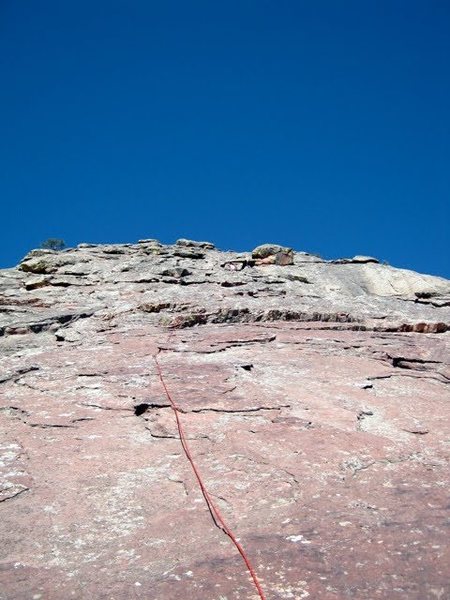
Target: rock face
{"x":314,"y":397}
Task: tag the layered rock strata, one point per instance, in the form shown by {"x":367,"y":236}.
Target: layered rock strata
{"x":314,"y":396}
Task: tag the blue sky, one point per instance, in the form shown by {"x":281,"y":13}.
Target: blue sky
{"x":317,"y":124}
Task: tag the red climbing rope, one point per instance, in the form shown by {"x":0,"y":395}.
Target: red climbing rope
{"x":213,"y":509}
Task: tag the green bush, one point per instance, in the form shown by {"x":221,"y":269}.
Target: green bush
{"x":53,"y":244}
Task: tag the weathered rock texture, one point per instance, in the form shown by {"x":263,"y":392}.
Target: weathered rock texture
{"x":314,"y":395}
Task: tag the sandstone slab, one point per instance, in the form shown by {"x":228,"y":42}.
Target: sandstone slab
{"x":317,"y":412}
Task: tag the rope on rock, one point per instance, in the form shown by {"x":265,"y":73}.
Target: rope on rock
{"x":213,"y":509}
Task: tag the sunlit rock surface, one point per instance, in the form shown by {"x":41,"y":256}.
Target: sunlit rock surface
{"x":314,"y":396}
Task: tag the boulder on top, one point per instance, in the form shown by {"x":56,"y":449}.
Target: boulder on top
{"x":48,"y":262}
{"x":273,"y":254}
{"x":193,"y":244}
{"x":185,"y":252}
{"x":38,"y":266}
{"x":36,"y":282}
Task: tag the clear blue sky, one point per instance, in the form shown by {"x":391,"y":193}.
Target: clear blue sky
{"x":322,"y":125}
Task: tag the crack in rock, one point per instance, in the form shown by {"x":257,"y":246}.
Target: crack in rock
{"x":362,"y":415}
{"x":101,"y":407}
{"x":44,"y":325}
{"x":142,"y":408}
{"x":235,"y":410}
{"x":15,"y":494}
{"x":413,"y":363}
{"x":222,"y":347}
{"x":439,"y":377}
{"x":16,"y":375}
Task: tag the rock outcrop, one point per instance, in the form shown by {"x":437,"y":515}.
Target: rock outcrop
{"x":315,"y":400}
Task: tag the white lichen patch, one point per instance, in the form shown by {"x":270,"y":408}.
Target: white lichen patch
{"x":292,"y":592}
{"x":298,"y":539}
{"x":112,"y":513}
{"x":13,"y":478}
